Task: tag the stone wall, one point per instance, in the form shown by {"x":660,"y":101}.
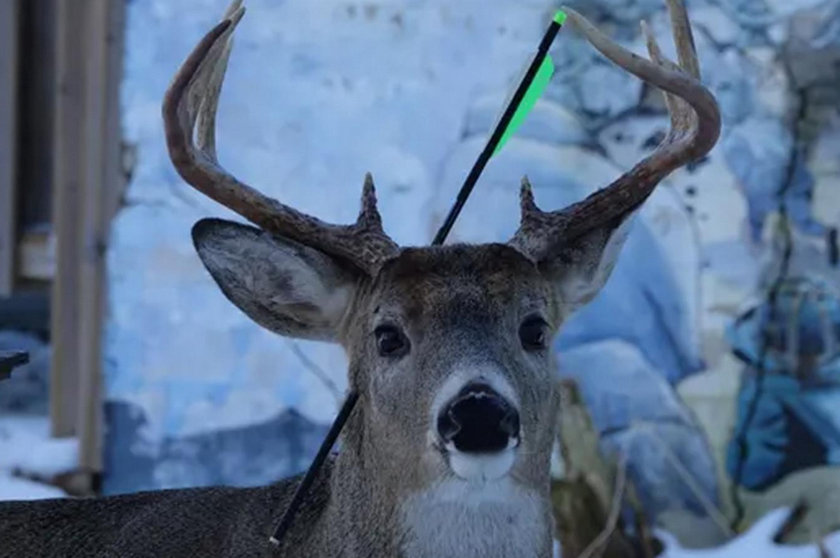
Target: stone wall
{"x":317,"y":93}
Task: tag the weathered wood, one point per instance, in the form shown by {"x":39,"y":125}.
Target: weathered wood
{"x":87,"y":184}
{"x":70,"y":119}
{"x":9,"y":16}
{"x":101,"y":179}
{"x":115,"y":178}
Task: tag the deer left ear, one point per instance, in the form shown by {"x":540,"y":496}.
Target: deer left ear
{"x":284,"y":286}
{"x":581,"y":269}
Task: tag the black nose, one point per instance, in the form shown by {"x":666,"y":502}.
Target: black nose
{"x":478,"y":420}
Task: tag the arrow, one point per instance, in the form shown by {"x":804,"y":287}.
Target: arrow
{"x":526,"y":95}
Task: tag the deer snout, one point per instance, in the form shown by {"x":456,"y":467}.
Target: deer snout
{"x":478,"y":420}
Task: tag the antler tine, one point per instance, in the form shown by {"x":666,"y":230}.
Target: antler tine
{"x":695,"y":128}
{"x":680,"y":113}
{"x":206,"y":118}
{"x":683,"y":38}
{"x":189,"y":109}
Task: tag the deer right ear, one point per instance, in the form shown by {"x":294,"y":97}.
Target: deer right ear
{"x":282,"y":285}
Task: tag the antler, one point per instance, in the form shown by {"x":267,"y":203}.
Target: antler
{"x":189,"y":109}
{"x":695,"y":127}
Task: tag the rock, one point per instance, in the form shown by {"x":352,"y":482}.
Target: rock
{"x":770,"y":82}
{"x":548,"y":122}
{"x":716,"y":23}
{"x":559,"y":174}
{"x":252,"y":455}
{"x":825,"y":168}
{"x":641,"y":304}
{"x":589,"y":85}
{"x":812,"y":51}
{"x":751,"y":15}
{"x":662,"y":455}
{"x":785,"y":8}
{"x":724,"y":70}
{"x":805,"y":306}
{"x":759,"y":151}
{"x":708,"y":186}
{"x":782,"y":430}
{"x":606,"y":90}
{"x":624,"y":11}
{"x":637,"y":412}
{"x":777,"y":33}
{"x":727,"y":76}
{"x":619,"y":385}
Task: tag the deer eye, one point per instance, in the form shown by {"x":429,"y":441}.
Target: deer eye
{"x":533,"y":334}
{"x":390,"y":341}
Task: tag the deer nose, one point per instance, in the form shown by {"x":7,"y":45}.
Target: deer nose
{"x":478,"y":420}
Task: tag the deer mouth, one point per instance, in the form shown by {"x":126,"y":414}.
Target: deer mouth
{"x":479,"y":433}
{"x":480,"y":467}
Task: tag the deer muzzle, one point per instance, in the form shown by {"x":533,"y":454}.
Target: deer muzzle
{"x":478,"y":420}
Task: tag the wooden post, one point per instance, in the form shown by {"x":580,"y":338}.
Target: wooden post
{"x":70,"y":119}
{"x":87,"y":186}
{"x":101,"y":183}
{"x":9,"y":24}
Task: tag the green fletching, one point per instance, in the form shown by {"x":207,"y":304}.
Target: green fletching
{"x":560,"y":17}
{"x":541,"y":79}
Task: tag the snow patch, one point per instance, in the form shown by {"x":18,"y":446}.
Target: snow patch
{"x":757,"y":541}
{"x":26,"y":446}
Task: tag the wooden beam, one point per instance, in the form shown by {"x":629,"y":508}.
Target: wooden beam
{"x":101,"y":179}
{"x":9,"y":24}
{"x":70,"y":119}
{"x":113,"y":166}
{"x":87,"y":185}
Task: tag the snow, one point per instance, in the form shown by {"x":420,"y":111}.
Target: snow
{"x":26,"y":446}
{"x":757,"y":542}
{"x":14,"y":488}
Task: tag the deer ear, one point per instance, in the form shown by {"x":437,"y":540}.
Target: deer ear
{"x":582,"y":268}
{"x":282,"y":285}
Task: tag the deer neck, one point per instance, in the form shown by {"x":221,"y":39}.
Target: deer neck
{"x":360,"y":519}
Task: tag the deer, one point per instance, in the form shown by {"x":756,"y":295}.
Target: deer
{"x":448,"y":450}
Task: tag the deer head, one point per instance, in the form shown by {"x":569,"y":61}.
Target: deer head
{"x":449,"y":346}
